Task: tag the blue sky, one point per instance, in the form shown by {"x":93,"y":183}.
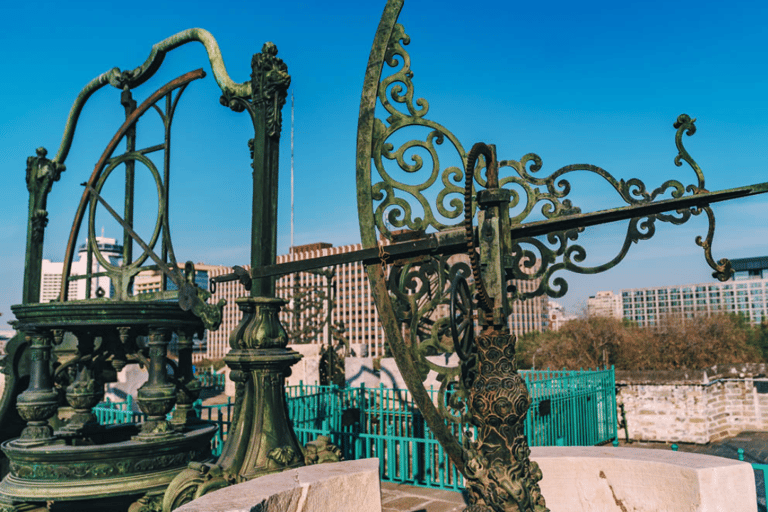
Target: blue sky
{"x":598,"y":82}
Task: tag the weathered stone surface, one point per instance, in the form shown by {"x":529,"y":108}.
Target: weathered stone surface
{"x":350,"y":485}
{"x":608,"y":479}
{"x":694,"y":407}
{"x":391,"y":377}
{"x":359,"y":371}
{"x":307,"y":370}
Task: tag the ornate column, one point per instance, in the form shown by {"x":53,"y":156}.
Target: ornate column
{"x":260,"y":439}
{"x":40,"y":401}
{"x":188,"y":386}
{"x":85,"y":391}
{"x":41,"y":173}
{"x":157,"y":396}
{"x":500,"y":474}
{"x":259,"y":362}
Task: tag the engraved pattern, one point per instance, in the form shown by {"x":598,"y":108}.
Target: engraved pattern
{"x":499,"y":404}
{"x":73,"y":471}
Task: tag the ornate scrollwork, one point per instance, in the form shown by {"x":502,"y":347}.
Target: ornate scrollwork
{"x":462,"y":317}
{"x":527,"y":230}
{"x":392,"y":208}
{"x":420,"y":292}
{"x":402,"y":196}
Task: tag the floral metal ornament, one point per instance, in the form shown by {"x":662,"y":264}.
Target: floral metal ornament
{"x":409,"y":190}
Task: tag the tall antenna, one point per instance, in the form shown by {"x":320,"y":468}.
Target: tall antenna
{"x":291,"y":169}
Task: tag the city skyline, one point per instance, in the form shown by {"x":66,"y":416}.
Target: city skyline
{"x":599,"y":83}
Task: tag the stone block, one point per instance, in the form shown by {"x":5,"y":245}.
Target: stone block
{"x":582,"y":479}
{"x":230,"y":389}
{"x":307,"y":370}
{"x":359,"y":371}
{"x":350,"y":485}
{"x":391,"y":377}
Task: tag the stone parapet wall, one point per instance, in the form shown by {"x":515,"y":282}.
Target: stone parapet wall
{"x":694,"y":406}
{"x":608,"y":479}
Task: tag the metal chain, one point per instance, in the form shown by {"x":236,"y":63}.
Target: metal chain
{"x":474,"y":258}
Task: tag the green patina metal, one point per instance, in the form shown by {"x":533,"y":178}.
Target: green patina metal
{"x":69,"y":348}
{"x":260,"y":439}
{"x":396,"y":181}
{"x":416,"y":276}
{"x":415,"y":279}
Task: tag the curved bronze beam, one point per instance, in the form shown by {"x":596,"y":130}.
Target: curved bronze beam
{"x":141,"y":74}
{"x":365,"y":136}
{"x":130,"y":121}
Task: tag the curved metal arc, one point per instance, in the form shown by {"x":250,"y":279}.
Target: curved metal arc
{"x":139,"y":75}
{"x":142,"y":73}
{"x":130,"y":121}
{"x":365,"y":137}
{"x":367,"y":121}
{"x":77,"y":107}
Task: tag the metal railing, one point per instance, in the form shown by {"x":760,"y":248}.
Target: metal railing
{"x":117,"y":413}
{"x":211,"y":379}
{"x":568,"y":408}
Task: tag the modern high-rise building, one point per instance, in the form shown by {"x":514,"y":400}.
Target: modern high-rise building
{"x":50,"y":286}
{"x":354,"y":308}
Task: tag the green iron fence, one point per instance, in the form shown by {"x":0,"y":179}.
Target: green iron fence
{"x":571,"y":408}
{"x":114,"y":413}
{"x":211,"y":380}
{"x":568,"y":408}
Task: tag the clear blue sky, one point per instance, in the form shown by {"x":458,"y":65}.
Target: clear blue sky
{"x":575,"y":82}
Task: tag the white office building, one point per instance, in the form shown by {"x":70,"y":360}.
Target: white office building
{"x":745,"y":294}
{"x":605,"y":304}
{"x":50,"y":285}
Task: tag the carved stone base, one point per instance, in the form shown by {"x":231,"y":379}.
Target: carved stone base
{"x":34,"y":433}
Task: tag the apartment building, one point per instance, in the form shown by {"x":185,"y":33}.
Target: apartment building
{"x":606,"y":304}
{"x":744,"y":294}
